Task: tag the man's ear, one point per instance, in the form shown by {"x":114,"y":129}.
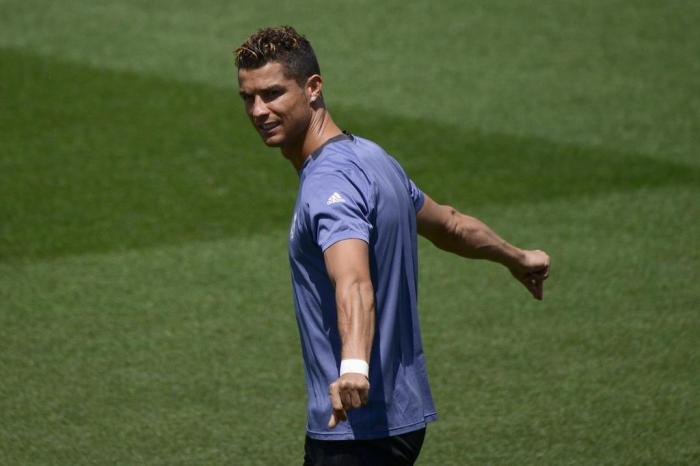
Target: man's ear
{"x":314,"y":86}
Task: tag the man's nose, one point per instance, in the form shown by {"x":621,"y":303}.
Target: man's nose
{"x":259,"y":108}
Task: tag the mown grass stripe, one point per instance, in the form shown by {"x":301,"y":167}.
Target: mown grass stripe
{"x":94,"y":160}
{"x":181,"y":353}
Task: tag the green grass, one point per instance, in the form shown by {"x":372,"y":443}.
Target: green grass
{"x":143,"y":160}
{"x":145,"y":308}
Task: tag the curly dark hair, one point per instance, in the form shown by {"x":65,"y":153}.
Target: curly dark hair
{"x":280,"y":44}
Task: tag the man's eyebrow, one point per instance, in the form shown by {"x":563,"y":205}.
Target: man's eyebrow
{"x":274,"y":87}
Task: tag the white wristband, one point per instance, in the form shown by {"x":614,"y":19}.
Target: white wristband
{"x":357,"y":366}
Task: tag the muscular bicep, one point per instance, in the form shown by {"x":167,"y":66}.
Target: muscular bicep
{"x":347,"y":261}
{"x":435,"y":221}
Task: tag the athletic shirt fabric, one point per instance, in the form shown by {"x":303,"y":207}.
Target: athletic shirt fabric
{"x":351,"y":188}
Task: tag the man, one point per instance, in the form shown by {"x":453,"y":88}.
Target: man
{"x":352,"y":251}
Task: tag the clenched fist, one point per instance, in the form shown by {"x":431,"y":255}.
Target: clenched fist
{"x":532,"y":269}
{"x":348,"y":392}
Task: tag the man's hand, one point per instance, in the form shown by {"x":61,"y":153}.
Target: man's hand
{"x":532,"y":269}
{"x":350,"y":391}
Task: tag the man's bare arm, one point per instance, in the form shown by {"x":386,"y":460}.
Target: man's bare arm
{"x":347,"y":263}
{"x":467,"y":236}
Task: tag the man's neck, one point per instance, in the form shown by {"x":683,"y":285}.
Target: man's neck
{"x":321,"y":128}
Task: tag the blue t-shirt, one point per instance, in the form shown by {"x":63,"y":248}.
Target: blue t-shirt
{"x":351,"y":188}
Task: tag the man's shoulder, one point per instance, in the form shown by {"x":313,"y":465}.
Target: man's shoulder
{"x":353,"y":145}
{"x":354,"y":152}
{"x":341,"y":170}
{"x":354,"y":160}
{"x":367,"y":145}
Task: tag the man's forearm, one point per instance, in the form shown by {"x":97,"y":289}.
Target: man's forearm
{"x":467,"y":236}
{"x":355,"y":303}
{"x":470,"y":237}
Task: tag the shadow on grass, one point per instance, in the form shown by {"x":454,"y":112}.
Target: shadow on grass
{"x":473,"y":168}
{"x":94,"y":160}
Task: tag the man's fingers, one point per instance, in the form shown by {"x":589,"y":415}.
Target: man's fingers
{"x":338,"y":413}
{"x":541,"y":274}
{"x":355,"y":399}
{"x":532,"y":271}
{"x":539,"y":290}
{"x":534,"y":286}
{"x":346,"y":394}
{"x":346,"y":397}
{"x":364,"y":397}
{"x":334,"y":393}
{"x":336,"y":417}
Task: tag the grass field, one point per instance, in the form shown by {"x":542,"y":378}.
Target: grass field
{"x":145,"y":306}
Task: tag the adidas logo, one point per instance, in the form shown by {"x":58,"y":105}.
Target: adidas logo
{"x":334,"y":199}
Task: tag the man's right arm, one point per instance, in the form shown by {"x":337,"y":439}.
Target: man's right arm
{"x":461,"y":234}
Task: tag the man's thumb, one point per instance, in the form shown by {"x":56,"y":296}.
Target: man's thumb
{"x":332,"y":422}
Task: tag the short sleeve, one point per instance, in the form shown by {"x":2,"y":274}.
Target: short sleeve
{"x":339,"y":208}
{"x":417,"y":195}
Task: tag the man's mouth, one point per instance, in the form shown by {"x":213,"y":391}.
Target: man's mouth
{"x":268,"y":126}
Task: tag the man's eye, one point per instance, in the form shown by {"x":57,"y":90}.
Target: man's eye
{"x":272,"y":94}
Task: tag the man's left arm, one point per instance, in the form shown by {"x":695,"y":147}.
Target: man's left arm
{"x":466,"y":236}
{"x":347,"y":263}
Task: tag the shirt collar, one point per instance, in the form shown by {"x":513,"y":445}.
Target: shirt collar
{"x":344,"y":136}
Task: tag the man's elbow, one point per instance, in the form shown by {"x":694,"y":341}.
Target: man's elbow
{"x":452,"y":226}
{"x":357,"y":287}
{"x":447,"y":227}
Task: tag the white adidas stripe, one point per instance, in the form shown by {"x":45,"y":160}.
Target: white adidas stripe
{"x":335,"y":198}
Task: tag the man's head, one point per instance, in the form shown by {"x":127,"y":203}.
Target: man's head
{"x":279,"y":82}
{"x":281,"y":45}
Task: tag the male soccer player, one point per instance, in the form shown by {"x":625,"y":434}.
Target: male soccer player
{"x":352,"y":251}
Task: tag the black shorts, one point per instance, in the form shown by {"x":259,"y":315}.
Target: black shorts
{"x":399,"y":450}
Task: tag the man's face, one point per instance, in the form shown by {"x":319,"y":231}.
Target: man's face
{"x":276,"y":105}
